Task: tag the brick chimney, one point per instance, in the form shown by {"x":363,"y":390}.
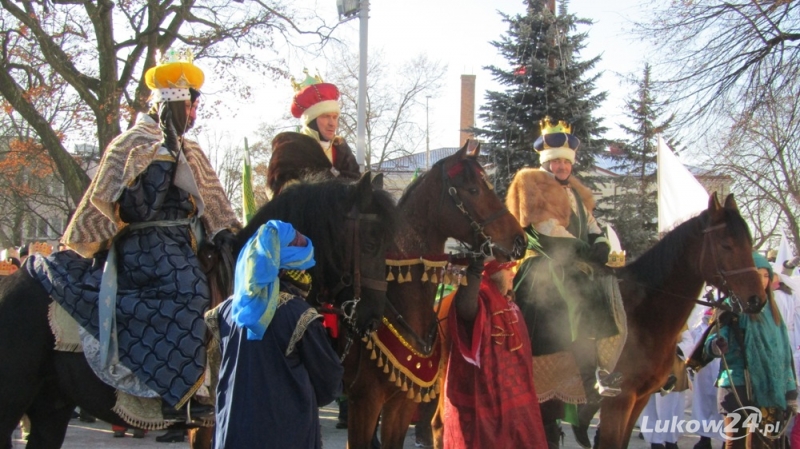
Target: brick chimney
{"x":467,"y":108}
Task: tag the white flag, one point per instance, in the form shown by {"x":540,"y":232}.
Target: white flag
{"x":680,"y":195}
{"x":784,"y":251}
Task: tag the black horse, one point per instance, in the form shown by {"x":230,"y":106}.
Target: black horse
{"x":350,"y":224}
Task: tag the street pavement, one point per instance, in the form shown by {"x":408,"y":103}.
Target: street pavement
{"x":98,"y":435}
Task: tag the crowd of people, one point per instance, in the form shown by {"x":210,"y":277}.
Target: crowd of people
{"x":132,"y":252}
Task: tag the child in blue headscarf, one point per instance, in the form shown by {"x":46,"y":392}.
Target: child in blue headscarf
{"x":278,"y":365}
{"x":756,"y":369}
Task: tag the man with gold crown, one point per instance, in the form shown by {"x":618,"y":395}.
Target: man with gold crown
{"x":558,"y":288}
{"x":133,"y":281}
{"x":316,"y":148}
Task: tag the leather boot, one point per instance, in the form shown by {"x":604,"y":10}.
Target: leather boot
{"x":586,"y":413}
{"x":554,"y":435}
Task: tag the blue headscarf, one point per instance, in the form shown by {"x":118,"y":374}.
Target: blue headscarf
{"x":255,"y":289}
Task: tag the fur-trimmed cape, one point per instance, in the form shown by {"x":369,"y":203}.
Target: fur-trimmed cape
{"x":536,"y":196}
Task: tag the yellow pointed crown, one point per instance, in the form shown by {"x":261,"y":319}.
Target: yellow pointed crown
{"x":616,"y":259}
{"x":176,"y":70}
{"x":307,"y":81}
{"x":548,"y":127}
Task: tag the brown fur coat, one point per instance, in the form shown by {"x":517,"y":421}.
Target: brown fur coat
{"x":535,"y":196}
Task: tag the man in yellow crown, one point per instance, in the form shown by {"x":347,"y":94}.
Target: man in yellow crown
{"x":565,"y":307}
{"x":133,"y":280}
{"x":316,"y":148}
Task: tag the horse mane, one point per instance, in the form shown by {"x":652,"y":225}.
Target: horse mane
{"x":317,"y":207}
{"x":655,"y":266}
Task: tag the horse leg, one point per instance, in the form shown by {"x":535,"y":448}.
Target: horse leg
{"x":397,"y":415}
{"x":49,"y":416}
{"x":615,"y":413}
{"x":364,"y":401}
{"x":638,"y":406}
{"x":200,"y":438}
{"x":423,"y":430}
{"x":552,"y":411}
{"x":25,"y":347}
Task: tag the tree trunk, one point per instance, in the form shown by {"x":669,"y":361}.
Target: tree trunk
{"x":75,"y":179}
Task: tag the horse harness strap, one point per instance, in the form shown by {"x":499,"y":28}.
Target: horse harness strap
{"x":720,"y":272}
{"x":424,"y":342}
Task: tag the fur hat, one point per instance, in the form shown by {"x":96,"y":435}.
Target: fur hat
{"x":173,"y":77}
{"x":314,"y":98}
{"x":556,"y":142}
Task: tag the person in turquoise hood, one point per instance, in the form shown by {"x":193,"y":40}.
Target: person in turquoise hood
{"x":756,"y":374}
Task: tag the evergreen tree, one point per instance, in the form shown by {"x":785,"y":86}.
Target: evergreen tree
{"x":546,"y":78}
{"x":633,"y":210}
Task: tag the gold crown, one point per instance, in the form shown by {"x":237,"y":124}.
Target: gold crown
{"x":616,"y":259}
{"x":548,"y":127}
{"x":176,"y":70}
{"x":308,"y":81}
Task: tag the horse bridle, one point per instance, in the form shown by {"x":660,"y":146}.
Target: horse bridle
{"x":354,"y":278}
{"x":487,"y":248}
{"x":723,"y":275}
{"x":478,"y":227}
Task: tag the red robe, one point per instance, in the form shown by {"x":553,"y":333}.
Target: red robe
{"x":490,"y":400}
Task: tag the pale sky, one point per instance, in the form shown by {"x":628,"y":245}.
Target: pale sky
{"x":458,"y":33}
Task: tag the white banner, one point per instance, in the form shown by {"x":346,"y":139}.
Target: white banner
{"x":680,"y":195}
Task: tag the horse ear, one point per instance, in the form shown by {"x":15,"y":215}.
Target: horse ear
{"x":713,"y":202}
{"x":473,"y":148}
{"x":462,"y":153}
{"x":730,"y":203}
{"x":377,"y":182}
{"x":363,"y":193}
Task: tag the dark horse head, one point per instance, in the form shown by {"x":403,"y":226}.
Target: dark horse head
{"x":467,"y":209}
{"x":351,"y":225}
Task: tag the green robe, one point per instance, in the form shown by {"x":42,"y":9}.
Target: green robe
{"x":559,"y":292}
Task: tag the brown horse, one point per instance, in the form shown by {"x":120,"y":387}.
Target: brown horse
{"x":658,"y":291}
{"x":452,"y":200}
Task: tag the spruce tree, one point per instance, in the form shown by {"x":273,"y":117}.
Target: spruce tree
{"x":633,"y":210}
{"x":546,"y":77}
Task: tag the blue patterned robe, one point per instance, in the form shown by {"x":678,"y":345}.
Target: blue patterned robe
{"x":161,"y":291}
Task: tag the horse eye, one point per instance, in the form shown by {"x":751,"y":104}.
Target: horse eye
{"x":726,"y":246}
{"x":472,"y":191}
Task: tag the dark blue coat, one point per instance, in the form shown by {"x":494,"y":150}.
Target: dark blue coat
{"x":268,"y":398}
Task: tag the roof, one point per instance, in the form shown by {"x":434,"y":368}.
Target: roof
{"x":412,"y":162}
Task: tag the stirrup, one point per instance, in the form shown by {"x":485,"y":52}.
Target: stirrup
{"x":608,"y":384}
{"x":669,"y":385}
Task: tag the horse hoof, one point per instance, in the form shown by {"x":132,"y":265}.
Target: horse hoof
{"x":138,"y":433}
